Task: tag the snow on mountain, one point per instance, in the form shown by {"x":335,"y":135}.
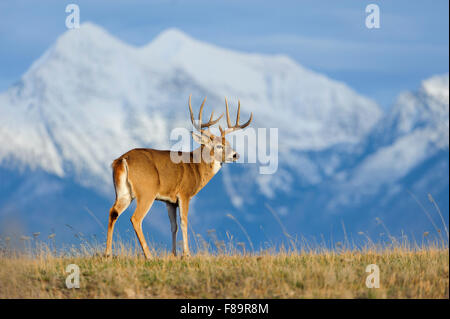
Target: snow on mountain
{"x":314,"y":111}
{"x":425,"y":108}
{"x":91,"y":97}
{"x":416,"y":129}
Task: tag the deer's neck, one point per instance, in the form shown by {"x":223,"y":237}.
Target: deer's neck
{"x":206,"y":168}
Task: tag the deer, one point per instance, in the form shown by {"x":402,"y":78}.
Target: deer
{"x":147,"y":174}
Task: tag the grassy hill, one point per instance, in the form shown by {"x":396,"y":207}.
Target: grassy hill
{"x":405,"y":272}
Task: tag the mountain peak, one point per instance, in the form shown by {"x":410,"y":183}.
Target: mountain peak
{"x":86,"y":30}
{"x":173,"y":34}
{"x":75,"y":45}
{"x":89,"y":27}
{"x":437,"y":87}
{"x":169,"y":42}
{"x":87,"y":37}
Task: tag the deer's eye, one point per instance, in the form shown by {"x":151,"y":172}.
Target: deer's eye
{"x":219,"y":147}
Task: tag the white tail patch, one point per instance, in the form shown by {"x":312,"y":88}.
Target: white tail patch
{"x":123,"y":188}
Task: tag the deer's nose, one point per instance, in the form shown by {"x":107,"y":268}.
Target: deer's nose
{"x":235,"y":156}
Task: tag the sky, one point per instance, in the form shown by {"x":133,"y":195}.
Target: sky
{"x":329,"y":37}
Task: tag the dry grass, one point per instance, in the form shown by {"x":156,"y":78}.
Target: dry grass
{"x":404,"y":273}
{"x":222,"y":269}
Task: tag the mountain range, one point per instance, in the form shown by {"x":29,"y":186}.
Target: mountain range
{"x":343,"y":166}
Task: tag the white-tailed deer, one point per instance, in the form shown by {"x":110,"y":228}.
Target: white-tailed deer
{"x":147,"y":175}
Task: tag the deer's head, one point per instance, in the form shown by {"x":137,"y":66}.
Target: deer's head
{"x":217,"y":147}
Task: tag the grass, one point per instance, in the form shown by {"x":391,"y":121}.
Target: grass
{"x":217,"y":269}
{"x":404,"y":273}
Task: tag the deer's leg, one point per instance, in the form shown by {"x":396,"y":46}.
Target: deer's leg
{"x":119,"y":206}
{"x":142,"y":208}
{"x":172,"y":210}
{"x":183,"y":203}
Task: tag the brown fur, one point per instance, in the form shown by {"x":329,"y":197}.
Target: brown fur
{"x":148,"y":175}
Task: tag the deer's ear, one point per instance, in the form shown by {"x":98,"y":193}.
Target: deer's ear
{"x":200,"y":138}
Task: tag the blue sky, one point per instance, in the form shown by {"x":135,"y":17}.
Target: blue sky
{"x":326,"y":36}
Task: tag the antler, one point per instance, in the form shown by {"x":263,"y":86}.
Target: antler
{"x":237,"y":126}
{"x":200,"y":126}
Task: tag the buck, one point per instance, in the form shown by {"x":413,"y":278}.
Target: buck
{"x":147,"y":175}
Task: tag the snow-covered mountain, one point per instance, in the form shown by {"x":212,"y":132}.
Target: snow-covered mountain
{"x":415,"y":130}
{"x":91,"y":97}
